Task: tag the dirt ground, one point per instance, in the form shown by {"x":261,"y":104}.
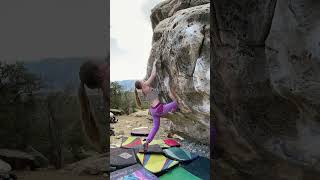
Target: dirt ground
{"x":53,"y":175}
{"x":139,"y":119}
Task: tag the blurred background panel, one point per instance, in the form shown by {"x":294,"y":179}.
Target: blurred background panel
{"x":42,"y":46}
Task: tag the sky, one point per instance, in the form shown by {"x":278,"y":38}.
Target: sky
{"x":37,"y":29}
{"x":130,"y":38}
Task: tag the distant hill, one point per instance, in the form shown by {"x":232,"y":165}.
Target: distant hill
{"x":57,"y":73}
{"x":127,"y":85}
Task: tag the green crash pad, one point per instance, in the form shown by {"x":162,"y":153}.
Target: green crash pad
{"x":120,"y":157}
{"x":156,"y":163}
{"x":180,"y":154}
{"x":141,"y":131}
{"x":135,"y":172}
{"x":178,"y":173}
{"x":199,"y":167}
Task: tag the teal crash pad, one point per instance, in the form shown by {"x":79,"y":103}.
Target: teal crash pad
{"x":199,"y":167}
{"x":178,"y":173}
{"x":179,"y":154}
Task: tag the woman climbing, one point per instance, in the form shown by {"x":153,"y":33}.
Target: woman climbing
{"x":157,"y":109}
{"x":94,"y":75}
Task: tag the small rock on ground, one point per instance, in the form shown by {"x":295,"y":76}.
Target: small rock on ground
{"x":4,"y":167}
{"x":200,"y":149}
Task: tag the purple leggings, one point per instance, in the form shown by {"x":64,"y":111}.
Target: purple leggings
{"x":158,"y":111}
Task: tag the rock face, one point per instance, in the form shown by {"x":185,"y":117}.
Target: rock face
{"x":168,"y":8}
{"x":181,"y":42}
{"x":266,"y":88}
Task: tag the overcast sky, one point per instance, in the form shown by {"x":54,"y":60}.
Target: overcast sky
{"x":131,"y":36}
{"x":36,"y":29}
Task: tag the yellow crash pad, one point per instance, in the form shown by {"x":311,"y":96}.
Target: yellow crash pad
{"x":156,"y":163}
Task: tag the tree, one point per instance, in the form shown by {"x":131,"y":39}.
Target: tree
{"x":17,"y":87}
{"x":116,"y":95}
{"x":16,"y":81}
{"x":54,"y":132}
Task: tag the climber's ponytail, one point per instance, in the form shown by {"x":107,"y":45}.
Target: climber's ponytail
{"x":138,"y":101}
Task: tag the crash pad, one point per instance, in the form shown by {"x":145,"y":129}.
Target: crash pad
{"x":171,"y":142}
{"x":179,"y":154}
{"x":134,"y":172}
{"x":132,"y":142}
{"x":120,"y":157}
{"x":136,"y":143}
{"x":199,"y":167}
{"x":159,"y":142}
{"x":140,"y":131}
{"x":178,"y":173}
{"x":152,"y":149}
{"x":156,"y":163}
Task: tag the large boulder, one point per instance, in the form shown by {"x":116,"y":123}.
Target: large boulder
{"x":40,"y":159}
{"x":181,"y":42}
{"x":18,"y":159}
{"x":98,"y":164}
{"x":168,"y":8}
{"x":265,"y":88}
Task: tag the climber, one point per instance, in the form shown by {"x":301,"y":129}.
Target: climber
{"x":93,"y":74}
{"x":157,"y":109}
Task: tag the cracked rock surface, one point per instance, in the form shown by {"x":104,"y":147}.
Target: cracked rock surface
{"x":181,"y":42}
{"x":266,"y":88}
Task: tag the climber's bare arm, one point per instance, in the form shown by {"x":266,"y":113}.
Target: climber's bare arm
{"x":153,"y":73}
